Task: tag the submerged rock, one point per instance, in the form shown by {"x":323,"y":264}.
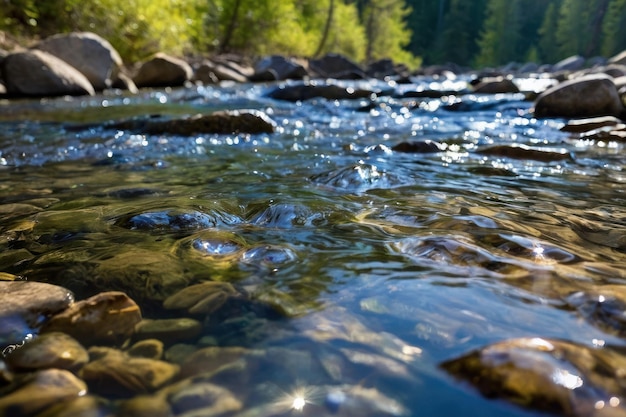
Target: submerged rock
{"x":50,"y":350}
{"x":224,"y":122}
{"x":203,"y":399}
{"x":169,"y":331}
{"x":25,"y":305}
{"x":47,"y":388}
{"x":526,"y":152}
{"x":113,"y":372}
{"x":107,"y":318}
{"x":145,"y":406}
{"x":547,"y":375}
{"x":303,"y":92}
{"x":201,"y":298}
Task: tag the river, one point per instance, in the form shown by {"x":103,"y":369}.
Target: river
{"x":369,"y":268}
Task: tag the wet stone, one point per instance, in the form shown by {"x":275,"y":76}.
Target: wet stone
{"x":169,"y":331}
{"x":85,"y":406}
{"x":203,"y":399}
{"x":149,"y":348}
{"x":47,"y":388}
{"x":26,"y":305}
{"x":425,"y":146}
{"x":209,"y":360}
{"x":145,"y":406}
{"x":171,"y":220}
{"x":115,"y":373}
{"x":201,"y":298}
{"x":50,"y":350}
{"x":547,"y":375}
{"x":107,"y":318}
{"x":603,"y":306}
{"x":328,"y":91}
{"x":224,"y":122}
{"x":525,"y":152}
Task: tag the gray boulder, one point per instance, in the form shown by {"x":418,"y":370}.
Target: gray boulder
{"x":573,"y":63}
{"x":336,"y":66}
{"x":163,"y":71}
{"x":38,"y":73}
{"x":210,"y":72}
{"x":90,"y":54}
{"x":587,"y":96}
{"x":495,"y":85}
{"x":619,"y":59}
{"x":277,"y":68}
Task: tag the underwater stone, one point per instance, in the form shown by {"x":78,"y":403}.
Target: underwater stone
{"x":50,"y":350}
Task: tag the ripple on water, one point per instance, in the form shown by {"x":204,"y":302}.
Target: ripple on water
{"x":269,"y":256}
{"x":357,"y":178}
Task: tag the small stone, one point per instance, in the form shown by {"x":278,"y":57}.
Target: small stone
{"x":525,"y":152}
{"x":210,"y":359}
{"x":204,"y":399}
{"x":115,"y":373}
{"x":85,"y":406}
{"x":26,"y":305}
{"x":169,"y":331}
{"x":149,"y":348}
{"x":108,"y":318}
{"x":145,"y":406}
{"x":205,"y":297}
{"x":50,"y":350}
{"x":47,"y":388}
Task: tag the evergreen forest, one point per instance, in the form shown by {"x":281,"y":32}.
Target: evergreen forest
{"x":476,"y":33}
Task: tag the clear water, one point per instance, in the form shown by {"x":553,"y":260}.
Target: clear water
{"x":405,"y":259}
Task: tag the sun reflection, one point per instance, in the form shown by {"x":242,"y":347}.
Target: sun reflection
{"x":296,"y":400}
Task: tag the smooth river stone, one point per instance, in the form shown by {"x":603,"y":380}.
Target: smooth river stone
{"x":149,"y":348}
{"x":145,"y":406}
{"x":25,"y":305}
{"x":108,"y":318}
{"x":169,"y":331}
{"x":210,"y":359}
{"x":50,"y":350}
{"x":204,"y":399}
{"x":47,"y":388}
{"x":205,"y":297}
{"x":85,"y":406}
{"x":548,"y":375}
{"x":115,"y":373}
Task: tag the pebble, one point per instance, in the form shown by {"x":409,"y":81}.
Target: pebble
{"x":204,"y":399}
{"x":107,"y":318}
{"x":149,"y":348}
{"x":50,"y":350}
{"x":47,"y":388}
{"x":169,"y":331}
{"x":210,"y":359}
{"x":115,"y":373}
{"x":24,"y":306}
{"x":201,"y":298}
{"x":145,"y":406}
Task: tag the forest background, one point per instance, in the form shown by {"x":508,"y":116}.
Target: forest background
{"x":476,"y":33}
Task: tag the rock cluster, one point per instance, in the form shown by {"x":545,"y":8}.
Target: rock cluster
{"x":83,"y":63}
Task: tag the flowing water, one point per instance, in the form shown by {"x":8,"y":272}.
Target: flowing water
{"x":372,"y":266}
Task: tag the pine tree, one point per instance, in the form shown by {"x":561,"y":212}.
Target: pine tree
{"x":614,"y":28}
{"x":548,"y":46}
{"x":500,"y":41}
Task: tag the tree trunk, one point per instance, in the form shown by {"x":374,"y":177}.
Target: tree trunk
{"x":329,"y":23}
{"x":230,"y":29}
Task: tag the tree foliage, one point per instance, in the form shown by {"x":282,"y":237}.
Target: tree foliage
{"x":469,"y":33}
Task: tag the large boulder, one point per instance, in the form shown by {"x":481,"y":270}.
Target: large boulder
{"x":163,"y":71}
{"x":211,"y":72}
{"x":619,"y":59}
{"x":90,"y":54}
{"x":573,"y":63}
{"x":38,"y":73}
{"x":587,"y":96}
{"x":336,"y":66}
{"x":277,"y":68}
